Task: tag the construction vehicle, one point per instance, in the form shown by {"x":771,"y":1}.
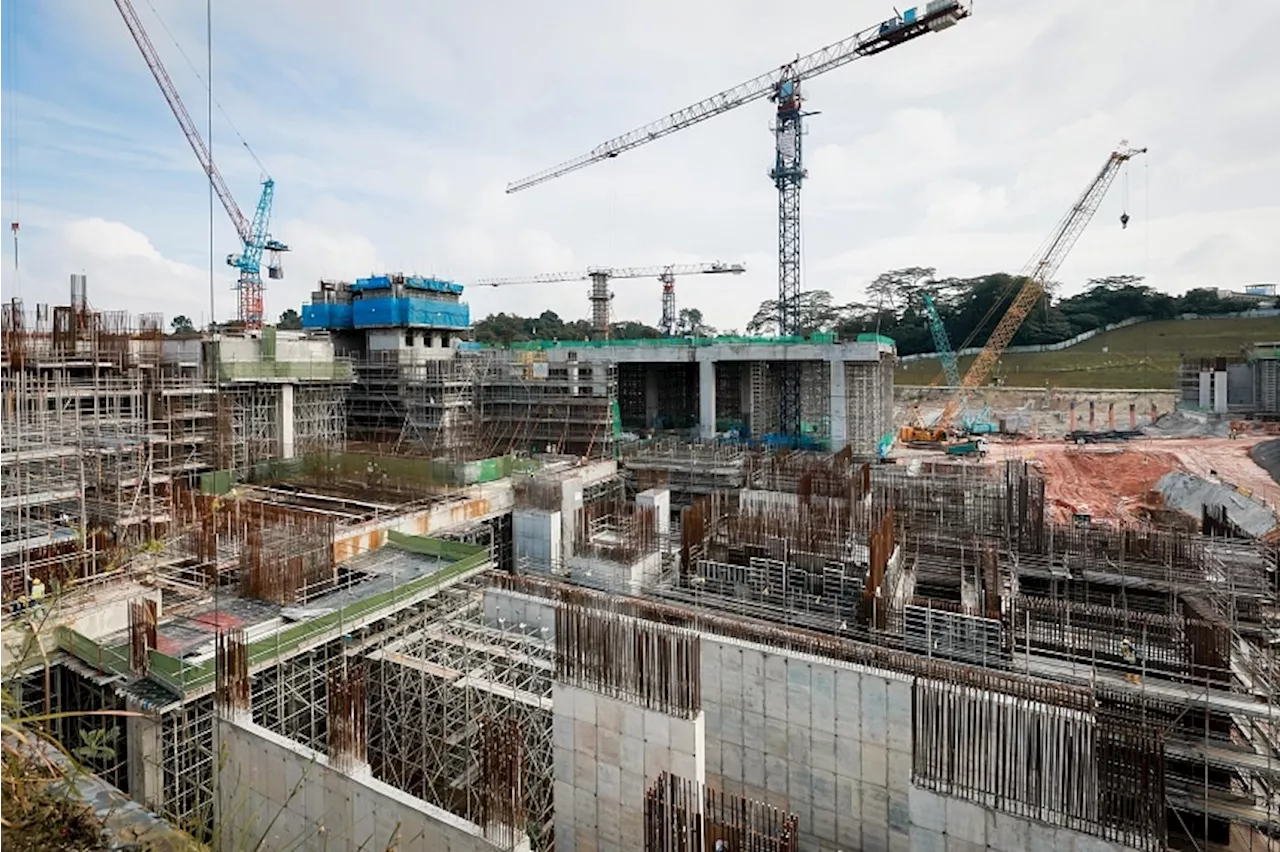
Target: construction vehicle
{"x":915,"y":433}
{"x":941,"y":343}
{"x":782,"y":86}
{"x":972,"y":447}
{"x":1035,"y":276}
{"x":601,"y":296}
{"x":254,"y":235}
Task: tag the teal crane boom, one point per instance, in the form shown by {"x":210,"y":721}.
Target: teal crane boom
{"x":941,"y":344}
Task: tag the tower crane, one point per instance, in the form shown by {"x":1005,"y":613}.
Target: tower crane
{"x":1036,"y":274}
{"x":782,"y":86}
{"x":254,"y":234}
{"x":600,"y":296}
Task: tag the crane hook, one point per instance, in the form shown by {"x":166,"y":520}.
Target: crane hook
{"x":1124,"y":221}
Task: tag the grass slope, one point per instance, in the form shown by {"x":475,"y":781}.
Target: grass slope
{"x":1145,"y":355}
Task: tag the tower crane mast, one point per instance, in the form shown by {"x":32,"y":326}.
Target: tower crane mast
{"x":782,"y":86}
{"x":254,"y":236}
{"x":1037,"y":273}
{"x":599,"y":277}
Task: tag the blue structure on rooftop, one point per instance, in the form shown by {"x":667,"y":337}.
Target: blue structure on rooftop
{"x":387,"y":301}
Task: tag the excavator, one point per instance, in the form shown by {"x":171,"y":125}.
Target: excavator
{"x":1035,"y":276}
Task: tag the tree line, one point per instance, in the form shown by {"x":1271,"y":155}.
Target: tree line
{"x":969,"y":308}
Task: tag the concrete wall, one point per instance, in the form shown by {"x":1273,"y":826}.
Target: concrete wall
{"x":832,"y":742}
{"x":1044,"y":411}
{"x":614,"y":576}
{"x":290,"y":346}
{"x":474,"y":503}
{"x":286,"y":795}
{"x":829,"y":741}
{"x":607,"y":753}
{"x":538,"y":613}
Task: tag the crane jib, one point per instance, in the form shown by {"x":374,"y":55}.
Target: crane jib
{"x":937,"y":15}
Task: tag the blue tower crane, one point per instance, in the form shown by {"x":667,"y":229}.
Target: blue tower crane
{"x":782,"y":86}
{"x":254,"y":236}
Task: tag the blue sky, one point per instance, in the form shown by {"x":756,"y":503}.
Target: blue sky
{"x":391,"y":129}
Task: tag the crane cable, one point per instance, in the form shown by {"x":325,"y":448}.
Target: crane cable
{"x":204,"y":83}
{"x":11,"y":146}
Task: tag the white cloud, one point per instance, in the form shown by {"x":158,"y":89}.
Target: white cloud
{"x":393,"y":130}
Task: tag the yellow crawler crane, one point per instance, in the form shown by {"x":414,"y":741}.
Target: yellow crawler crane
{"x":1036,"y":274}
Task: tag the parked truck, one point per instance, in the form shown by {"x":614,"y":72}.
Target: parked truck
{"x":972,"y":447}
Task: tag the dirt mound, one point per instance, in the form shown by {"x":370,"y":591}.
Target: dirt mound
{"x":1108,"y":483}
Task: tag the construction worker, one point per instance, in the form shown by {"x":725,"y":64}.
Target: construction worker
{"x":37,"y":596}
{"x":1131,"y":659}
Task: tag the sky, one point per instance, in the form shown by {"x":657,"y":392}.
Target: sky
{"x":392,"y":129}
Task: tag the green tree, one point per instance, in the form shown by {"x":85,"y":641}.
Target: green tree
{"x":182,"y":324}
{"x":815,"y":312}
{"x":290,"y":320}
{"x":689,"y":323}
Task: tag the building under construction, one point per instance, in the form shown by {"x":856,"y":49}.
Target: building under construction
{"x":497,"y":622}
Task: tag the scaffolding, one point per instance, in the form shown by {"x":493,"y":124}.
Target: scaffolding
{"x":438,"y":396}
{"x":436,"y":691}
{"x":319,"y":418}
{"x":527,"y":405}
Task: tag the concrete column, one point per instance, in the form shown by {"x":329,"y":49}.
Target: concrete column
{"x":839,"y":402}
{"x":535,"y":535}
{"x":746,"y":400}
{"x":706,"y":398}
{"x":142,"y":733}
{"x":658,"y":499}
{"x":286,"y":421}
{"x":1220,"y":392}
{"x":1206,"y":396}
{"x":650,"y":395}
{"x":570,"y":503}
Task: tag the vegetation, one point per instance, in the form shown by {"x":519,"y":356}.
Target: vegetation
{"x":969,"y":308}
{"x":290,"y":320}
{"x":182,"y":324}
{"x":505,"y":328}
{"x":1145,"y":355}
